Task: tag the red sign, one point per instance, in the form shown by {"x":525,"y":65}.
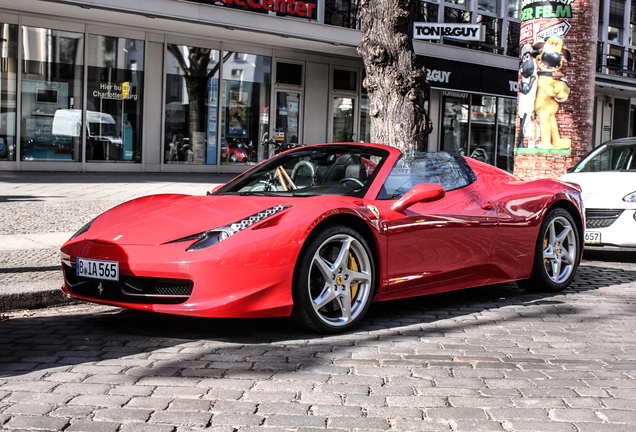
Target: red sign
{"x":527,"y":31}
{"x":296,"y":8}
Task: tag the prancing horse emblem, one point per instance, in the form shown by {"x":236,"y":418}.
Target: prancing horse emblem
{"x":100,"y":289}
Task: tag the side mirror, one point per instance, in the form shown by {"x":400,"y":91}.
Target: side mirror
{"x":423,"y":192}
{"x":216,"y":188}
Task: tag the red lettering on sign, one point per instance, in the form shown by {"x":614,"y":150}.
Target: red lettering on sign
{"x":254,"y":4}
{"x":290,"y":6}
{"x":301,"y":8}
{"x":228,"y":1}
{"x":310,"y":7}
{"x":240,"y":2}
{"x":280,"y":6}
{"x":267,"y":4}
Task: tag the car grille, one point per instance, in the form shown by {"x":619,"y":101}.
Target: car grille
{"x":601,"y":218}
{"x":130,"y":289}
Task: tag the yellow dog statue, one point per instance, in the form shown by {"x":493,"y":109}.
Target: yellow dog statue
{"x":550,"y":91}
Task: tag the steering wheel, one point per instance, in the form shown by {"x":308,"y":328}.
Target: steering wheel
{"x":299,"y":165}
{"x":352,"y":179}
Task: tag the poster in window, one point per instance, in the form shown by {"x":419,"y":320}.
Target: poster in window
{"x":237,"y":122}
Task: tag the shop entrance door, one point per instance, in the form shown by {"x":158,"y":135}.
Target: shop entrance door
{"x":288,"y":117}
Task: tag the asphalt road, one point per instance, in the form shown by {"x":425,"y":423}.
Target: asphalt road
{"x":489,"y":359}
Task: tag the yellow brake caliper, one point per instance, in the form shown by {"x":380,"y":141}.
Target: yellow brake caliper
{"x":353,"y":265}
{"x":545,"y":246}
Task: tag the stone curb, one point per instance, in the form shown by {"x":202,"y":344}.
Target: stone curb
{"x":33,"y":300}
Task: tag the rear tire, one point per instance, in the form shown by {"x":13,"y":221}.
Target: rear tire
{"x":334,"y":280}
{"x":557,"y":253}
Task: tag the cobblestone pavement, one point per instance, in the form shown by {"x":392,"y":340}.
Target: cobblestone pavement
{"x":488,"y":359}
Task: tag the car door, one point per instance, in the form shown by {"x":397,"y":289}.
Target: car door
{"x":444,"y":240}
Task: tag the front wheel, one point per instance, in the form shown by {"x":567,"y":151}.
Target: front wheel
{"x":557,"y":253}
{"x":334,"y":280}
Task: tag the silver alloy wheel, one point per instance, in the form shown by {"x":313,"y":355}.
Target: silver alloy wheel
{"x":340,"y":280}
{"x":559,"y":249}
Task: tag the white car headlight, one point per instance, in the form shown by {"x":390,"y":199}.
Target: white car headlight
{"x":209,"y":238}
{"x":630,"y":198}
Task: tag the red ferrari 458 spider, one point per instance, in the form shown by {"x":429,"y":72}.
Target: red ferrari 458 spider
{"x":321,"y":231}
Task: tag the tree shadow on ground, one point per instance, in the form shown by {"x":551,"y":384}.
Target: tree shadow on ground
{"x":59,"y":342}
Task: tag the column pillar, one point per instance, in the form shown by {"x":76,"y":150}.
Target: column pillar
{"x":555,"y":102}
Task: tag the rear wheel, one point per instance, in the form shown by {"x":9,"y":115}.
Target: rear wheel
{"x":557,"y":253}
{"x":334,"y":280}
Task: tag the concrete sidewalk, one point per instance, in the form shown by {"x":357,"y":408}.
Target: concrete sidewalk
{"x":41,"y":210}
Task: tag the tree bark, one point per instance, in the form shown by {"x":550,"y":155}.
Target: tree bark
{"x":396,"y":86}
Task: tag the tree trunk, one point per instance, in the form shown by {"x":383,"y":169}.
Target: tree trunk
{"x":397,"y":87}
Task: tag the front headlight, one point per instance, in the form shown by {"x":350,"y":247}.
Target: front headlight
{"x":630,"y":198}
{"x":83,"y":229}
{"x":210,"y":238}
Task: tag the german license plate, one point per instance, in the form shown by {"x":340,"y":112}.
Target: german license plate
{"x":108,"y":270}
{"x":592,"y":237}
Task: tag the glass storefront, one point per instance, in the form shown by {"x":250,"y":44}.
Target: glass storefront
{"x":114,"y":99}
{"x":52,"y":89}
{"x":245,"y":95}
{"x":343,"y":118}
{"x":479,"y":126}
{"x":287,"y":116}
{"x":8,"y":90}
{"x":191,"y":110}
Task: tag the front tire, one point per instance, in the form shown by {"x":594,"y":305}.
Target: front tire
{"x":557,"y":253}
{"x":334,"y":280}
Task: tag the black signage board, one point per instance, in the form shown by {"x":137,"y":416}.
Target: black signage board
{"x":469,"y":77}
{"x":305,"y":9}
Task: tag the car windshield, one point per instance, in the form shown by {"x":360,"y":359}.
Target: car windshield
{"x":344,"y":170}
{"x":610,"y":157}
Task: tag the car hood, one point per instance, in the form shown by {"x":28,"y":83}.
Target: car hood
{"x":159,"y":219}
{"x":604,"y":189}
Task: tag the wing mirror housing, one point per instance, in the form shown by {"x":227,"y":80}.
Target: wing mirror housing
{"x":216,"y":188}
{"x":423,"y":192}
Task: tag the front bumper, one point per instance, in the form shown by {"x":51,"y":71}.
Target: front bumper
{"x":167,"y":279}
{"x":616,"y":227}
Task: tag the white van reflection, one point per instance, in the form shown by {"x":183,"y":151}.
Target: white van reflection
{"x":102,"y":139}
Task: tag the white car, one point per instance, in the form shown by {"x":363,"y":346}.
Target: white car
{"x":607,"y":176}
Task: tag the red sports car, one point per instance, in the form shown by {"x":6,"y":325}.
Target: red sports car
{"x":319,"y":232}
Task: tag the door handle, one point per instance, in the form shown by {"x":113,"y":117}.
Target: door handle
{"x":486,"y":206}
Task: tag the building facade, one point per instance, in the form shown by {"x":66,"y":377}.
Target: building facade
{"x":214,"y":86}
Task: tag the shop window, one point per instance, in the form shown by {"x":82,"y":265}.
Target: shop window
{"x":289,"y":73}
{"x":192,"y":97}
{"x":514,"y":8}
{"x":483,"y":116}
{"x":52,"y":88}
{"x":343,"y":119}
{"x":491,"y":6}
{"x":343,"y":13}
{"x":614,"y":59}
{"x":287,"y":117}
{"x":8,"y":86}
{"x":465,"y":3}
{"x":492,"y":42}
{"x":114,"y":99}
{"x":599,"y":57}
{"x":245,"y":108}
{"x":455,"y":122}
{"x":632,"y":24}
{"x":514,"y":31}
{"x":365,"y":119}
{"x":345,"y":80}
{"x":426,"y":12}
{"x":506,"y":118}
